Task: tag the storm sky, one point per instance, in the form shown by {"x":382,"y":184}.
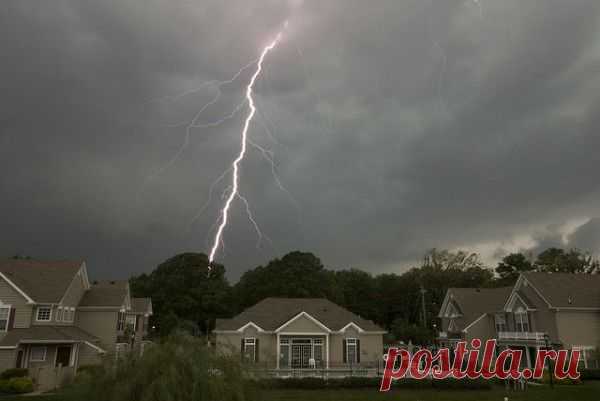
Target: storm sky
{"x":397,"y":126}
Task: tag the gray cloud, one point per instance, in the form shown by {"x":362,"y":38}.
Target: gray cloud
{"x":399,"y":126}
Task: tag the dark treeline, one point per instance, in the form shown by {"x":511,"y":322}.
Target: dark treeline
{"x":185,"y":296}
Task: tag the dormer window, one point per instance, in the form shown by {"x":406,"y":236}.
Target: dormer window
{"x":521,"y":320}
{"x":44,"y":314}
{"x":4,"y":315}
{"x":500,"y":321}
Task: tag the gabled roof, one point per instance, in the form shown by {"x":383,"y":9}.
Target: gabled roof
{"x":48,"y":334}
{"x":41,"y":281}
{"x":111,"y":293}
{"x":567,"y":290}
{"x":273,"y":313}
{"x":475,"y":302}
{"x":141,"y":306}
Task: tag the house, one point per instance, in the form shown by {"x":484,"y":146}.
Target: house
{"x":51,"y":316}
{"x":560,"y":310}
{"x":284,"y":334}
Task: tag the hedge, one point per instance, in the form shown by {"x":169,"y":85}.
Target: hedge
{"x":371,"y":382}
{"x":590,"y":374}
{"x":14,"y":372}
{"x":16,"y":385}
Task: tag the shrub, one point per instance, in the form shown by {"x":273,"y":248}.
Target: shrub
{"x":181,"y":368}
{"x":590,"y":374}
{"x":14,"y":372}
{"x":16,"y":385}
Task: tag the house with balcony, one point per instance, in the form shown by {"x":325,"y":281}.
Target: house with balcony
{"x":302,"y":336}
{"x":53,"y":320}
{"x":559,"y":310}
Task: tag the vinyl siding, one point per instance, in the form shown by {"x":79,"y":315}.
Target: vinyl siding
{"x":7,"y":359}
{"x":102,"y":324}
{"x":543,"y":319}
{"x":578,"y":328}
{"x":303,"y":325}
{"x":88,"y":356}
{"x":9,"y":296}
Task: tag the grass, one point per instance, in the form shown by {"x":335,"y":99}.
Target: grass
{"x":586,"y":392}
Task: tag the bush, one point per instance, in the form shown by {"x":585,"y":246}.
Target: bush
{"x":16,"y":385}
{"x":181,"y":368}
{"x":590,"y":374}
{"x":567,"y":381}
{"x":14,"y":372}
{"x":372,"y":382}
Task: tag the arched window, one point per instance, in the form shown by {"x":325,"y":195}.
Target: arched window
{"x":521,"y":320}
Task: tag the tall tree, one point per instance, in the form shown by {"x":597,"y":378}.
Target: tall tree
{"x":572,"y":261}
{"x":511,"y":266}
{"x":295,"y":275}
{"x":184,"y":294}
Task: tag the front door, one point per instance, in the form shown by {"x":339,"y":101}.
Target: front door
{"x":19,"y":363}
{"x":63,"y":356}
{"x":301,"y":353}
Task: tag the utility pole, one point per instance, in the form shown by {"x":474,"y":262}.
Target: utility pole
{"x":423,"y":291}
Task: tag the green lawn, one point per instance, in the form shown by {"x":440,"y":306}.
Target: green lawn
{"x":587,"y":392}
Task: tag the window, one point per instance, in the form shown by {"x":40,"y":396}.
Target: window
{"x":130,"y":321}
{"x":318,"y":352}
{"x":284,"y":353}
{"x":351,"y":351}
{"x":521,"y":320}
{"x":59,"y":314}
{"x":500,"y":321}
{"x":44,"y":313}
{"x":249,"y":349}
{"x":121,"y":321}
{"x":37,"y":354}
{"x":4,"y":316}
{"x":69,"y":315}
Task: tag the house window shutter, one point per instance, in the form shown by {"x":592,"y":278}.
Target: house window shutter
{"x":256,"y":353}
{"x":11,"y":319}
{"x":344,"y":350}
{"x":357,"y":351}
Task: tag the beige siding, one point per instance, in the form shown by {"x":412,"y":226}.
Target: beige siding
{"x":88,"y":356}
{"x":303,"y":325}
{"x":9,"y":296}
{"x":102,"y":324}
{"x":578,"y":328}
{"x":483,"y":329}
{"x":75,"y":291}
{"x":371,"y":347}
{"x":7,"y":359}
{"x":543,"y":319}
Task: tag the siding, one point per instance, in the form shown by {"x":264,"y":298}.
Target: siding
{"x":11,"y":297}
{"x":303,"y":325}
{"x":7,"y":359}
{"x":578,"y":328}
{"x":75,"y":291}
{"x":102,"y":324}
{"x":88,"y":356}
{"x":543,"y":319}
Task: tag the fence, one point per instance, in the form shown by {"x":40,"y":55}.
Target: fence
{"x":48,"y":378}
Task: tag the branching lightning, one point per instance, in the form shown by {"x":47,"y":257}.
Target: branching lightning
{"x":235,"y":166}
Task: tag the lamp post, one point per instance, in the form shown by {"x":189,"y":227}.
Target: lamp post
{"x":550,"y":369}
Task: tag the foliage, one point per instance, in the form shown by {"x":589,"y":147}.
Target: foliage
{"x":16,"y":385}
{"x":370,"y":382}
{"x":405,"y":331}
{"x":296,"y":275}
{"x":14,"y":372}
{"x":181,"y":368}
{"x":590,"y":374}
{"x":512,"y":265}
{"x":572,"y":261}
{"x":183,"y":294}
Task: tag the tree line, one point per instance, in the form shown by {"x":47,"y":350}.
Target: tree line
{"x":185,"y":296}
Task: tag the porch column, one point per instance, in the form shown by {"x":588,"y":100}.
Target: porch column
{"x":278,"y":348}
{"x":528,"y":356}
{"x":327,"y":351}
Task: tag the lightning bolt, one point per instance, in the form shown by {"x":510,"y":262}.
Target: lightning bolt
{"x":235,"y":166}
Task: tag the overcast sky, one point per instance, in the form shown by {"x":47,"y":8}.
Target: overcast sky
{"x":396,"y":126}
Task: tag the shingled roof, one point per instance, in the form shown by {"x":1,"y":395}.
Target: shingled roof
{"x":567,"y":290}
{"x":474,"y":302}
{"x":106,"y":294}
{"x":42,"y":281}
{"x":46,"y":333}
{"x":271,"y":313}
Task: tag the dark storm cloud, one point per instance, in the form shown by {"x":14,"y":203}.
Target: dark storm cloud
{"x":399,"y":126}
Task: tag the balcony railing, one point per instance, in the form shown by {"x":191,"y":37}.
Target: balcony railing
{"x":521,"y":335}
{"x":449,"y":335}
